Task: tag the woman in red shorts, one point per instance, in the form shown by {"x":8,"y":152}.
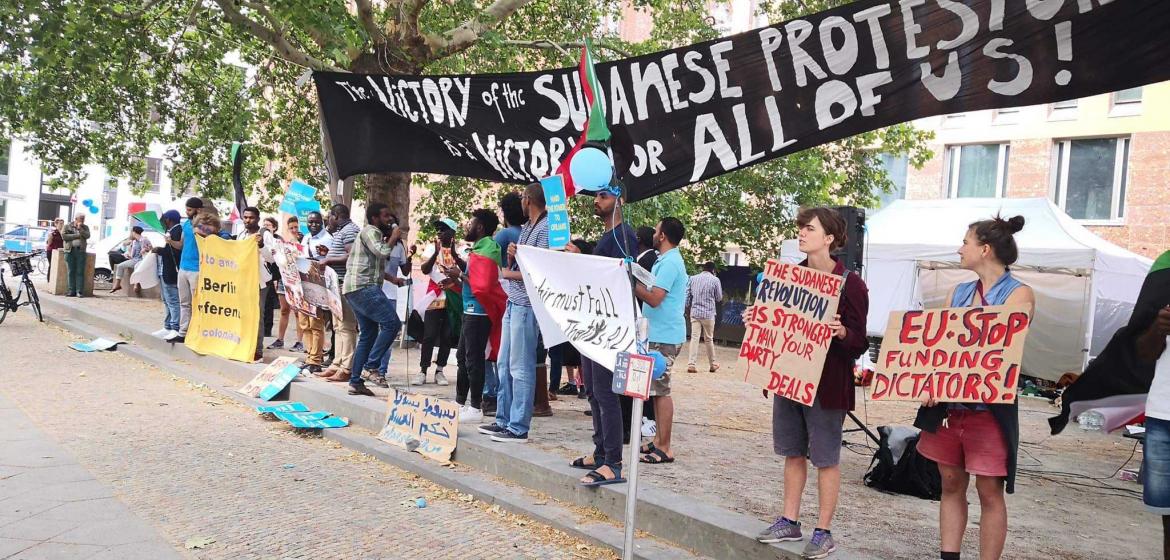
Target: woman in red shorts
{"x":978,"y":439}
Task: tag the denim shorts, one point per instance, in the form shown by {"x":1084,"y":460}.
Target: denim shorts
{"x":1156,"y":466}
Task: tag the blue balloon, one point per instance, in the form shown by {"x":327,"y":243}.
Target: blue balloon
{"x":87,"y":202}
{"x":93,"y":209}
{"x":659,"y":363}
{"x":590,"y":169}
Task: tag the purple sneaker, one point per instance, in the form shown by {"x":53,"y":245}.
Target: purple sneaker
{"x":782,"y":530}
{"x":820,"y":546}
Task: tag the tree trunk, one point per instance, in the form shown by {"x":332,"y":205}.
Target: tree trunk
{"x":392,"y":189}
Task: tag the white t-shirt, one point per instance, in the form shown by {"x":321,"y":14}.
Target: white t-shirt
{"x":1158,"y":402}
{"x":393,"y":268}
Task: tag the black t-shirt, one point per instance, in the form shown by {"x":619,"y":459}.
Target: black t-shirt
{"x":648,"y":259}
{"x":170,"y":257}
{"x":618,"y":243}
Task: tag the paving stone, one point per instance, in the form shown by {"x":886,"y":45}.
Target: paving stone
{"x":108,"y":533}
{"x":57,"y":551}
{"x":24,"y":506}
{"x":9,"y":547}
{"x":37,"y":528}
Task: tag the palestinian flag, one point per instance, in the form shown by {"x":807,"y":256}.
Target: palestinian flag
{"x":595,"y":128}
{"x":237,"y":155}
{"x":1117,"y":370}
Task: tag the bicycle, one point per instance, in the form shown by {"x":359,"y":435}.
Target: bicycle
{"x":20,"y":266}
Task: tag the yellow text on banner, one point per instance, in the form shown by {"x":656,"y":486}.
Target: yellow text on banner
{"x":225,"y":314}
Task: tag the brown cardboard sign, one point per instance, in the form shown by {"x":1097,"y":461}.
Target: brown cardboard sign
{"x":961,"y":354}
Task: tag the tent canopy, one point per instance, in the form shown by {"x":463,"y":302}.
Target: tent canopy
{"x":1085,"y":286}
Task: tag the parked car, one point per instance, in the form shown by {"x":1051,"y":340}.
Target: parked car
{"x":25,"y":239}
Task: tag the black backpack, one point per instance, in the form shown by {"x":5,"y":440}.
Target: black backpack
{"x":910,"y":474}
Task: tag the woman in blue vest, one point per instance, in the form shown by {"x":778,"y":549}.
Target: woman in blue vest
{"x":978,"y":439}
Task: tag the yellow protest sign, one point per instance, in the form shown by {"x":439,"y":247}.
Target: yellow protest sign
{"x":225,"y":313}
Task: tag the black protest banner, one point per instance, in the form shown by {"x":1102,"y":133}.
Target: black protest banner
{"x":687,"y":114}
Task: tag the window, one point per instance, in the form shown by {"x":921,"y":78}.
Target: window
{"x":1090,"y":178}
{"x":1132,"y":95}
{"x":153,"y":174}
{"x":977,"y":170}
{"x":1067,"y":104}
{"x":896,"y":169}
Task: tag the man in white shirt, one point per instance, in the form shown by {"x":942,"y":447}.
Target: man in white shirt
{"x":266,"y":242}
{"x":316,"y":244}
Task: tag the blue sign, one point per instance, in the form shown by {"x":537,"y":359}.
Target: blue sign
{"x":312,"y":420}
{"x":297,"y":198}
{"x":278,"y":383}
{"x":558,"y":212}
{"x":286,"y":407}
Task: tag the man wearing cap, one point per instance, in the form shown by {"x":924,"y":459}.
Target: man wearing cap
{"x":168,"y":272}
{"x":438,"y":322}
{"x":619,"y":241}
{"x":188,"y":279}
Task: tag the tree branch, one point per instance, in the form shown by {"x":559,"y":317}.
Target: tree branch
{"x":135,"y":14}
{"x":276,"y":40}
{"x":365,"y":12}
{"x":546,"y":44}
{"x":469,"y":32}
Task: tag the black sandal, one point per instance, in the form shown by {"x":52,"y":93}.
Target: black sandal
{"x":579,"y":463}
{"x":598,"y":479}
{"x":647,"y":448}
{"x":656,"y":457}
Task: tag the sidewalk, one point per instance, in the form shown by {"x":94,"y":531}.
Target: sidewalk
{"x":725,"y":460}
{"x":52,"y":507}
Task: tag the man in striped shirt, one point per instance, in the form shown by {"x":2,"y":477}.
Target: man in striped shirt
{"x":345,"y":232}
{"x":703,"y":292}
{"x":516,"y":364}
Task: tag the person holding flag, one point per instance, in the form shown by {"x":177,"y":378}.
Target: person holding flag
{"x":483,"y":300}
{"x":437,"y":324}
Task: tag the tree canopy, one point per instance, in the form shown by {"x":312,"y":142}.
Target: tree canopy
{"x":100,"y":82}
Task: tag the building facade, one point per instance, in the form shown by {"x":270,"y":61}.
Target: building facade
{"x":27,"y":197}
{"x":1104,"y":160}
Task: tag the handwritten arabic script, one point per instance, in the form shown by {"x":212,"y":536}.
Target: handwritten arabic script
{"x":420,"y":423}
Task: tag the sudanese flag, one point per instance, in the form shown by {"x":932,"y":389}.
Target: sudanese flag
{"x":595,"y":127}
{"x":483,"y":274}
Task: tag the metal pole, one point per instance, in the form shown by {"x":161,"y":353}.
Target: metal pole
{"x":632,"y":492}
{"x":641,"y":332}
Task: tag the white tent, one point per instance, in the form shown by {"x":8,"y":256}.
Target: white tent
{"x":1085,"y":286}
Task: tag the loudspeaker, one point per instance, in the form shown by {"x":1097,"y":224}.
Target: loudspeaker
{"x":853,"y":253}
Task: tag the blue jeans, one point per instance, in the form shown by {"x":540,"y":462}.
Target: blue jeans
{"x":381,"y":362}
{"x":170,"y":297}
{"x":517,"y":369}
{"x":491,"y":379}
{"x":378,"y":325}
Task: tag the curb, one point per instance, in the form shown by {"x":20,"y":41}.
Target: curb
{"x":680,"y":520}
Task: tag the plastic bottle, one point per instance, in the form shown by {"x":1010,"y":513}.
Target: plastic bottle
{"x":1091,"y":421}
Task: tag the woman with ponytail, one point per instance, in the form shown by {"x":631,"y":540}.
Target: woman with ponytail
{"x":978,"y":439}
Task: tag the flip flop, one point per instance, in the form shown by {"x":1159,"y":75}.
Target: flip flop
{"x":656,"y":457}
{"x":598,"y":479}
{"x":579,"y":463}
{"x":648,"y":448}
